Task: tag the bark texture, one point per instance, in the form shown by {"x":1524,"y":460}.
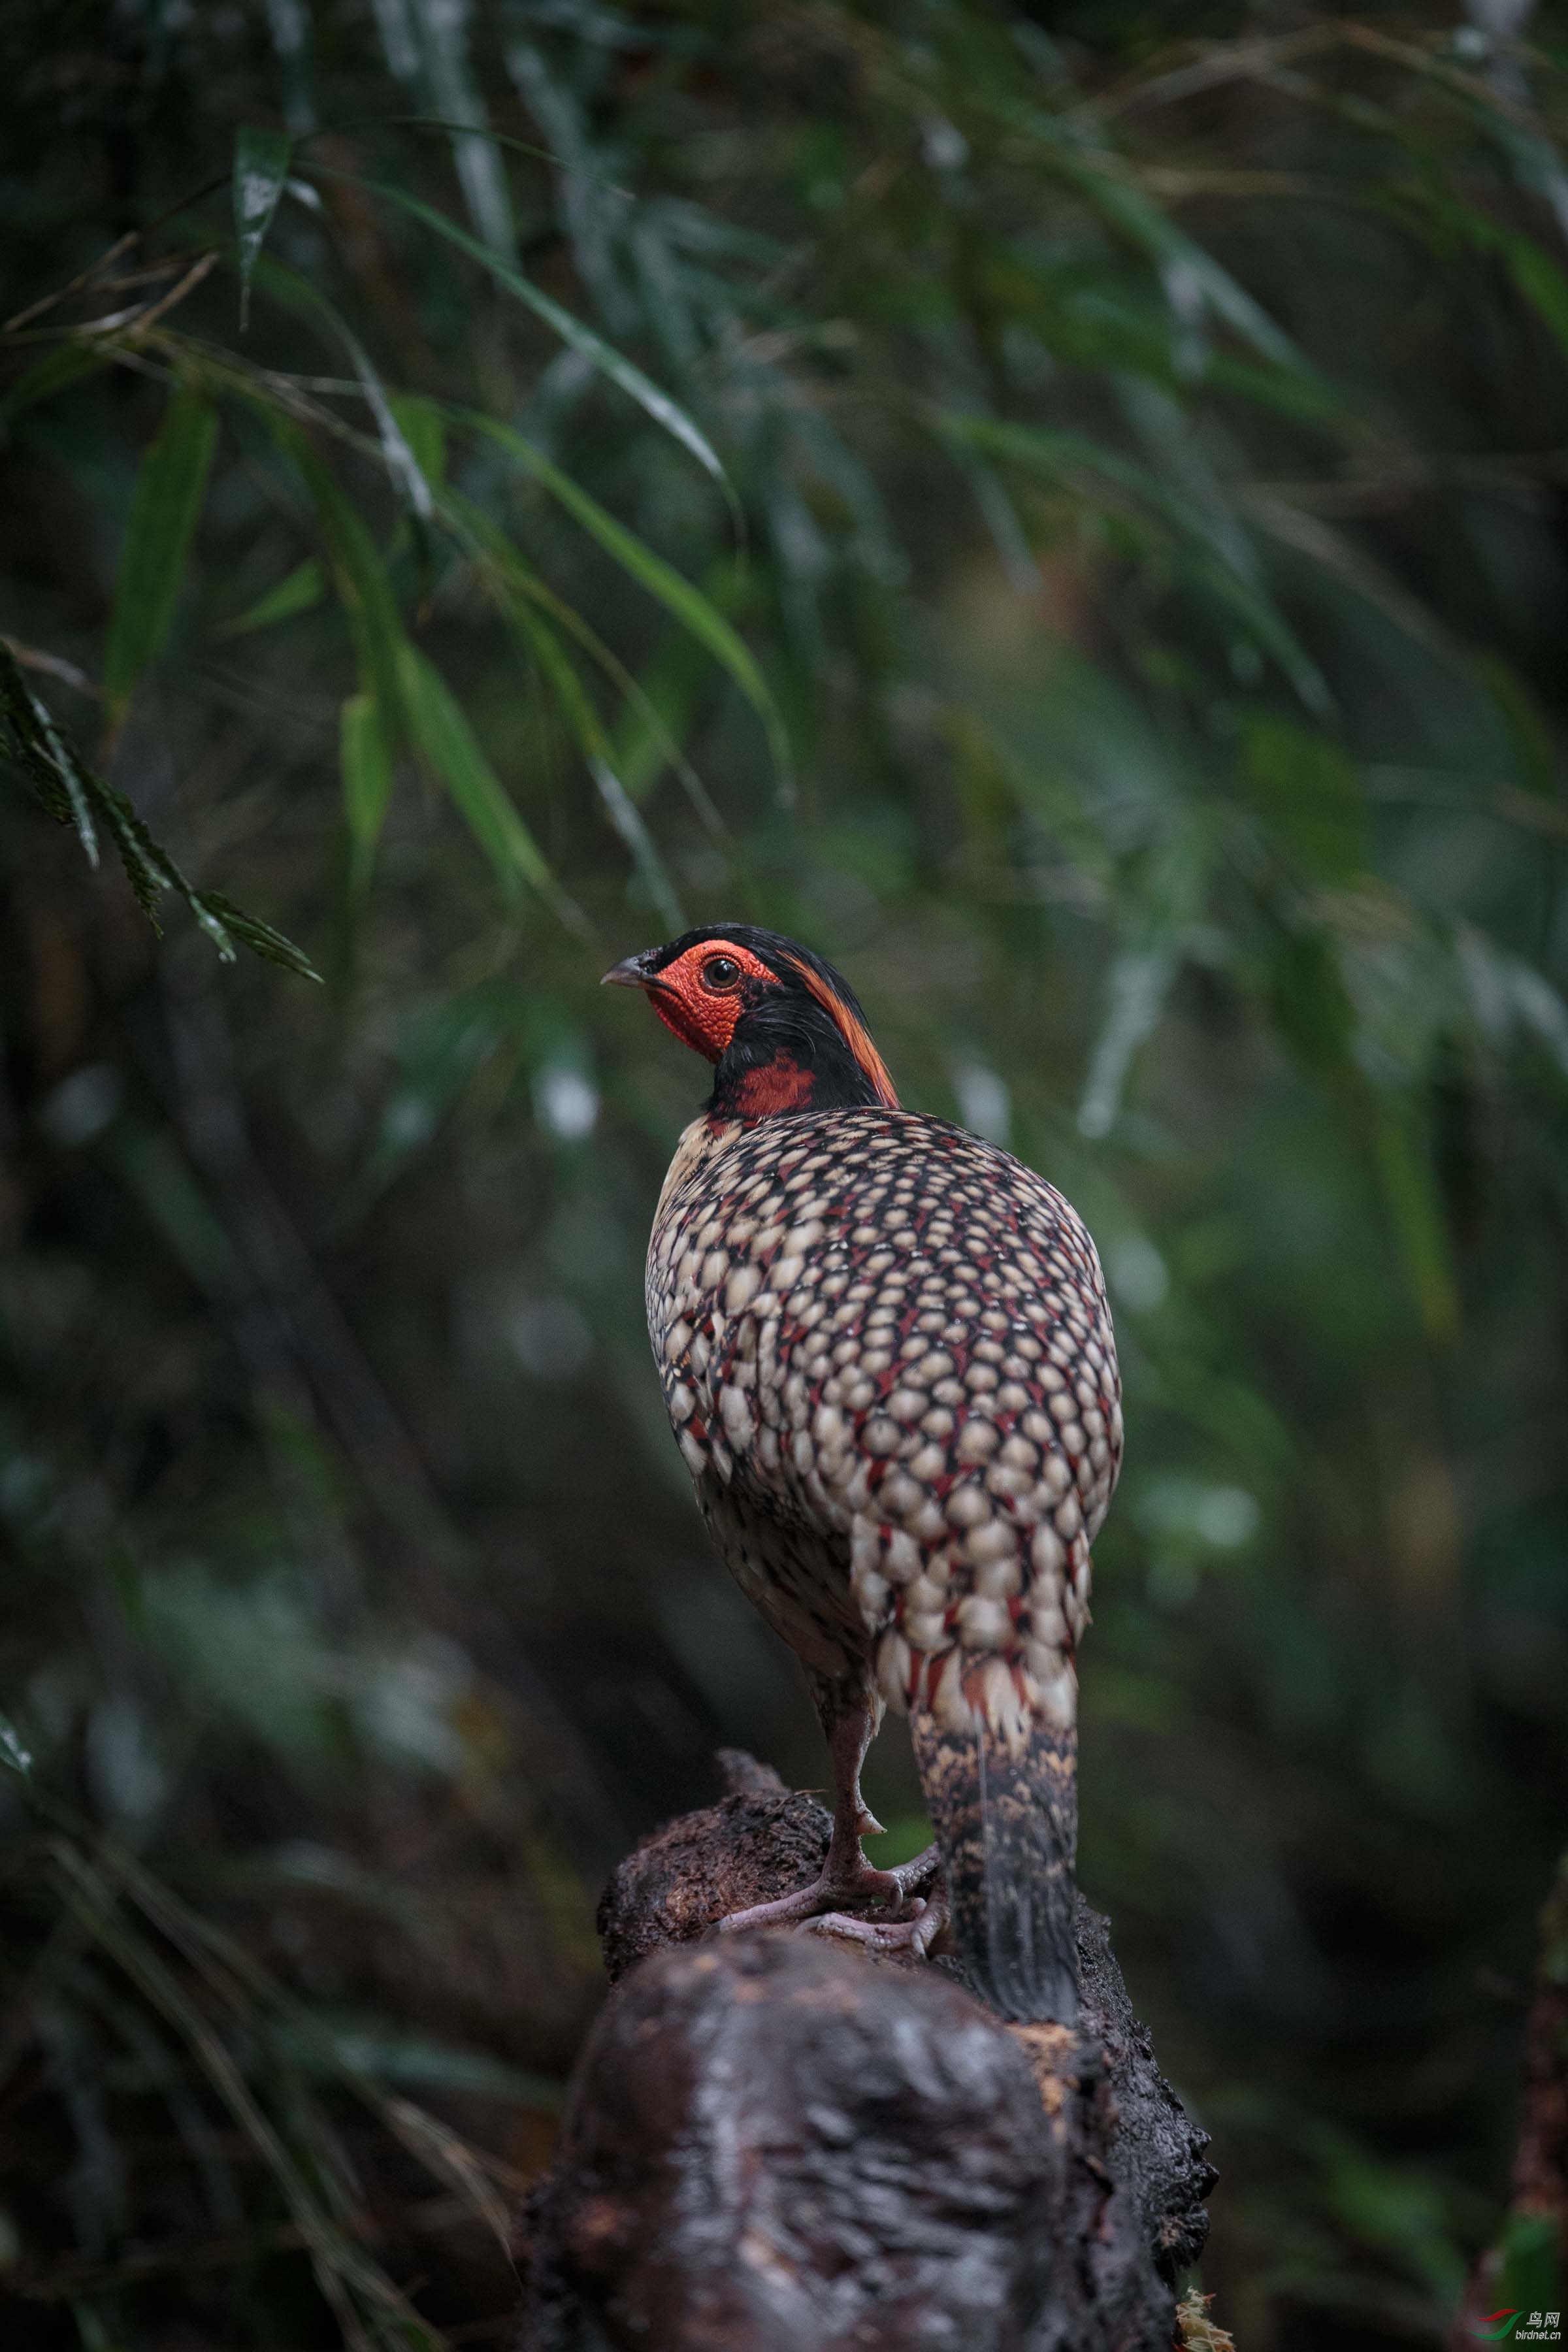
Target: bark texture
{"x":775,"y":2142}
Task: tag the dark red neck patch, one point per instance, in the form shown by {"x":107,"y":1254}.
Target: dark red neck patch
{"x":778,"y":1085}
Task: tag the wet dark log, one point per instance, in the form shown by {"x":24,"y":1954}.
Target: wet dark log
{"x":762,"y":1840}
{"x":775,"y":2142}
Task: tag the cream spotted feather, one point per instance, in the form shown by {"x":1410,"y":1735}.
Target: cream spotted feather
{"x":888,"y":1359}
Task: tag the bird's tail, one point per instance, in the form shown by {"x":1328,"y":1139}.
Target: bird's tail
{"x":1003,"y":1803}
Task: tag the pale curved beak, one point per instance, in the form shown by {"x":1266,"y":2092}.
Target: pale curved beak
{"x":633,"y":971}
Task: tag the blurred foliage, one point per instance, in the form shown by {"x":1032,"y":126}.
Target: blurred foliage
{"x":1064,"y":511}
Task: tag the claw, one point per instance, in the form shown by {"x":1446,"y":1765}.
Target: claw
{"x":915,"y":1935}
{"x":839,"y":1892}
{"x":830,"y":1893}
{"x":914,"y":1878}
{"x":847,"y":1883}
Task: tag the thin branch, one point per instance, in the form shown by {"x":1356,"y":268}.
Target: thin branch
{"x":85,"y":277}
{"x":51,"y":666}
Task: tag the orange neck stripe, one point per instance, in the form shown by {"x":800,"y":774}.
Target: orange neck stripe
{"x":855,"y":1033}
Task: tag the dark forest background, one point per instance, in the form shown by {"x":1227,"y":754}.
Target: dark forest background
{"x":1066,"y":509}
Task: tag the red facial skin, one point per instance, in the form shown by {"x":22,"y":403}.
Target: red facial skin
{"x":701,"y":997}
{"x":701,"y":1014}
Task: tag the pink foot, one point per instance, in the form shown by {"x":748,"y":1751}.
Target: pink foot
{"x":831,"y":1892}
{"x":914,"y":1934}
{"x":841,"y":1888}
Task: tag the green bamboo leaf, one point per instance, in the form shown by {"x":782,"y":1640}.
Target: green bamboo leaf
{"x":73,"y":793}
{"x":1069,"y":457}
{"x":1141,"y":981}
{"x":695,"y":611}
{"x":96,"y":2332}
{"x":1541,"y":283}
{"x":1261,"y":618}
{"x":299,"y":295}
{"x":446,"y":742}
{"x":365,"y":760}
{"x":1150,"y":226}
{"x":514,"y":583}
{"x":42,"y":755}
{"x":627,"y":819}
{"x":357,"y":573}
{"x":610,"y":362}
{"x":13,"y":1754}
{"x":1534,"y":273}
{"x":261,"y":171}
{"x":295,"y":594}
{"x":167,"y":500}
{"x":595,"y":745}
{"x":455,"y":90}
{"x":424,"y":428}
{"x":666,"y":700}
{"x":1308,"y":790}
{"x":1415,"y":1210}
{"x":211,"y":909}
{"x":1343,"y":559}
{"x":56,"y":372}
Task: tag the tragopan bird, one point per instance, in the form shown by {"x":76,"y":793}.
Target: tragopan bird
{"x":888,"y":1360}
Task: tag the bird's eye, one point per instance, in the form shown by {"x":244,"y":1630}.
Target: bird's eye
{"x":721,"y":972}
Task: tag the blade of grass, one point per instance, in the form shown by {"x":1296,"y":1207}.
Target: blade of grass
{"x":292,"y":2030}
{"x":441,"y":2152}
{"x":666,"y":697}
{"x":336,"y":2262}
{"x":1139,"y":982}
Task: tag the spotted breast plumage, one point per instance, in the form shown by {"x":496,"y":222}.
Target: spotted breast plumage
{"x":888,"y":1360}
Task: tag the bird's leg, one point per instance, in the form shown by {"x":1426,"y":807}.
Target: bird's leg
{"x":912,"y":1921}
{"x":850,"y":1713}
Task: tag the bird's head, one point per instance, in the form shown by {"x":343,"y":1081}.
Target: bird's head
{"x":783,"y":1030}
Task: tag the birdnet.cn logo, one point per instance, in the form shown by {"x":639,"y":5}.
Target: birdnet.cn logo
{"x":1520,"y":2327}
